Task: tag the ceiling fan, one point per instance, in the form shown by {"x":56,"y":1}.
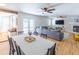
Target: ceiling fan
{"x":50,"y":8}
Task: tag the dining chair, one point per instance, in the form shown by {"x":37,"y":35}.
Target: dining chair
{"x":44,"y":35}
{"x":51,"y":51}
{"x":17,"y":48}
{"x":12,"y":50}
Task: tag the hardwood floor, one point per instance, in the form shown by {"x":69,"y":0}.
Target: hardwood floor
{"x":66,"y":47}
{"x":4,"y":44}
{"x":3,"y":36}
{"x":4,"y":48}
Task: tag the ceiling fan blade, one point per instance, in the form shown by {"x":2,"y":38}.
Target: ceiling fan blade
{"x":50,"y":12}
{"x":51,"y":9}
{"x":42,"y":8}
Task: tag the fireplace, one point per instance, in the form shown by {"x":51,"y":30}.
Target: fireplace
{"x":75,"y":28}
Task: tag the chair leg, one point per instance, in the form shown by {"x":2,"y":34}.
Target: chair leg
{"x":47,"y":52}
{"x":19,"y":50}
{"x":10,"y":52}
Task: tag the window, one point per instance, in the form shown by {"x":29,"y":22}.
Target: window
{"x":7,"y":21}
{"x":31,"y":25}
{"x":25,"y":25}
{"x":28,"y":25}
{"x":12,"y":21}
{"x":51,"y":22}
{"x":4,"y":22}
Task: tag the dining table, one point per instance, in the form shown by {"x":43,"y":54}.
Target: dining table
{"x":38,"y":47}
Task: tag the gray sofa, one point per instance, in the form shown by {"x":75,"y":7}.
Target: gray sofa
{"x":55,"y":34}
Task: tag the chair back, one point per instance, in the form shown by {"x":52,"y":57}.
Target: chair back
{"x":12,"y":49}
{"x":51,"y":51}
{"x":18,"y":50}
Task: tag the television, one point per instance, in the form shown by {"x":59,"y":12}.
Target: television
{"x":59,"y":22}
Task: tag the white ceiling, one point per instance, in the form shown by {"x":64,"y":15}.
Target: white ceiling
{"x":35,"y":8}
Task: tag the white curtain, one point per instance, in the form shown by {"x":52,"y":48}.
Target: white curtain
{"x":7,"y":22}
{"x":4,"y":23}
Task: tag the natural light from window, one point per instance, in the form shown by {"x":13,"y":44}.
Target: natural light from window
{"x":28,"y":25}
{"x":7,"y":21}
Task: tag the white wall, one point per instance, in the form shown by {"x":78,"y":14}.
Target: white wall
{"x":70,"y":22}
{"x":41,"y":21}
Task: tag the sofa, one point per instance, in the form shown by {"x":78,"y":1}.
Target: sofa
{"x":52,"y":33}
